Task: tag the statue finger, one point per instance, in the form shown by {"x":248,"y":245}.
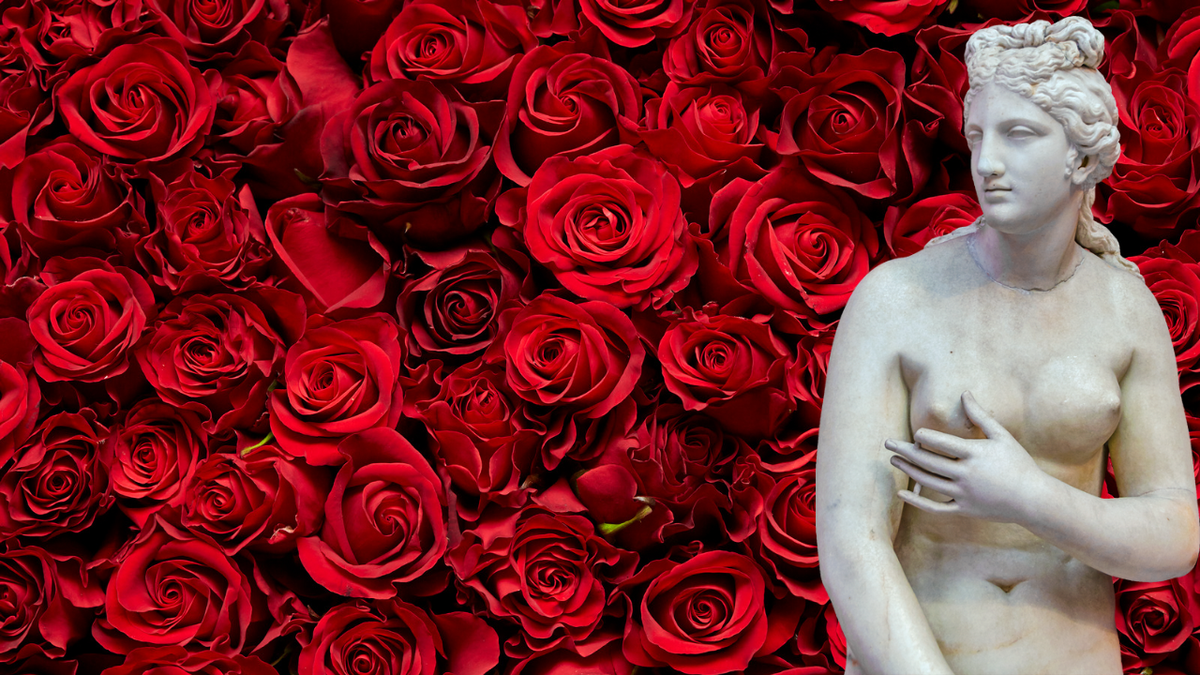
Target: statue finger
{"x":943,"y":443}
{"x":931,"y":461}
{"x":926,"y":504}
{"x":932,"y":480}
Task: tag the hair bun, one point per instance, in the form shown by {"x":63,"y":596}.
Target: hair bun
{"x":1082,"y":46}
{"x":1079,"y":35}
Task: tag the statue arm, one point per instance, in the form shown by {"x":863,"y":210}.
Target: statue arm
{"x":866,"y":401}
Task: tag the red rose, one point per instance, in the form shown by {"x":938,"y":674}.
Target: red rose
{"x":58,"y":483}
{"x":908,"y":230}
{"x":385,"y":520}
{"x":1156,"y":616}
{"x":563,"y":101}
{"x":24,"y":109}
{"x":608,"y":225}
{"x":800,"y":244}
{"x":65,"y":197}
{"x":151,"y":457}
{"x":1016,"y":10}
{"x":705,"y":615}
{"x":335,"y":261}
{"x":729,"y":42}
{"x":209,"y":31}
{"x":258,"y":498}
{"x":88,"y":319}
{"x":222,"y":351}
{"x":786,"y":537}
{"x":172,"y":588}
{"x":48,"y":601}
{"x":414,"y":158}
{"x":633,"y":24}
{"x":472,"y":45}
{"x":886,"y":17}
{"x":730,"y":367}
{"x":792,"y":446}
{"x":20,"y":395}
{"x":208,"y":235}
{"x":544,"y":571}
{"x":256,"y":96}
{"x":584,"y":357}
{"x":1181,"y":47}
{"x":340,"y":378}
{"x":820,"y":640}
{"x":1173,"y":276}
{"x":396,"y":638}
{"x":177,"y":661}
{"x":564,"y":661}
{"x":143,"y":101}
{"x":701,"y":130}
{"x":89,"y":28}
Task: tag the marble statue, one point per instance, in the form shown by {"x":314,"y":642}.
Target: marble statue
{"x":977,"y":389}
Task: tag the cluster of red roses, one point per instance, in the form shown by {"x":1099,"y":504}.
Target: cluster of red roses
{"x":416,"y":336}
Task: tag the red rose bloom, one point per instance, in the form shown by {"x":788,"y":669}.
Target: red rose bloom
{"x":730,"y":42}
{"x":209,"y":30}
{"x":886,"y":17}
{"x":1156,"y":616}
{"x":396,"y":638}
{"x":636,"y":23}
{"x":609,"y":226}
{"x":24,"y":109}
{"x":385,"y":519}
{"x":584,"y":357}
{"x":1173,"y":276}
{"x":256,"y":96}
{"x":340,"y":378}
{"x":786,"y":536}
{"x":20,"y":394}
{"x":88,"y":319}
{"x":178,"y":661}
{"x":701,"y":130}
{"x":47,"y":600}
{"x":151,"y":457}
{"x":143,"y":102}
{"x":908,"y":230}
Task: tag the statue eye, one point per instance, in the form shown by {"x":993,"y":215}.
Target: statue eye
{"x":1021,"y":132}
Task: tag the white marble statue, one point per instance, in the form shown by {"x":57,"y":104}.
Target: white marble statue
{"x":977,"y":389}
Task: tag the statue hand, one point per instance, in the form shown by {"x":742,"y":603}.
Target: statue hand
{"x":992,"y":478}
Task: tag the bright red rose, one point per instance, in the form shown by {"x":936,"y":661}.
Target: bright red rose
{"x":544,"y":571}
{"x":797,"y":242}
{"x":90,"y":28}
{"x":208,"y":235}
{"x":20,"y":395}
{"x":563,"y":661}
{"x":907,"y":230}
{"x":57,"y":483}
{"x":178,"y":661}
{"x":731,"y":368}
{"x":608,"y":225}
{"x":414,"y":158}
{"x":142,"y":102}
{"x":705,"y":615}
{"x":585,"y":357}
{"x":211,"y":30}
{"x":820,"y":640}
{"x":563,"y":101}
{"x":786,"y":537}
{"x":472,"y":45}
{"x":340,"y":378}
{"x":172,"y":588}
{"x":151,"y":457}
{"x":24,"y":109}
{"x":385,"y":520}
{"x":88,"y":320}
{"x":335,"y":261}
{"x":222,"y":351}
{"x":1180,"y":48}
{"x":792,"y":446}
{"x":886,"y":17}
{"x":1173,"y":275}
{"x":1156,"y":617}
{"x":636,"y":23}
{"x":701,"y":130}
{"x":65,"y":197}
{"x":258,"y":498}
{"x":729,"y":42}
{"x":49,"y":600}
{"x":396,"y":638}
{"x":256,"y":96}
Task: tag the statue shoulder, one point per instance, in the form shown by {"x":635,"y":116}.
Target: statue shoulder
{"x":900,"y":284}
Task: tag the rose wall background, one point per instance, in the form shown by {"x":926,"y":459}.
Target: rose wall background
{"x":416,"y":336}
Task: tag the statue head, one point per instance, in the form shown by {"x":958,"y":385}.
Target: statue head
{"x":1054,"y":66}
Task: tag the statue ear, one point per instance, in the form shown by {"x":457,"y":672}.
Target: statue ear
{"x":1079,"y":169}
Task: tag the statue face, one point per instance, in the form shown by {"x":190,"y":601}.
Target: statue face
{"x":1018,"y":161}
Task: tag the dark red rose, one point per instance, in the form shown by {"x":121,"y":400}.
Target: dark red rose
{"x":395,"y":638}
{"x":88,"y":319}
{"x":564,"y":661}
{"x":544,"y":571}
{"x":24,"y":110}
{"x":414,"y":158}
{"x":172,"y":588}
{"x":563,"y":101}
{"x":258,"y":498}
{"x":730,"y":367}
{"x":357,"y":24}
{"x":792,"y":446}
{"x":729,"y":42}
{"x":705,"y":615}
{"x":633,"y":24}
{"x":256,"y":96}
{"x":1156,"y":617}
{"x":608,"y":225}
{"x":57,"y":483}
{"x":334,"y":260}
{"x":471,"y":45}
{"x":844,"y":123}
{"x":1016,"y":10}
{"x":701,"y":130}
{"x":222,"y":351}
{"x":151,"y":457}
{"x":1174,"y":278}
{"x":886,"y":17}
{"x":48,"y":602}
{"x":800,"y":244}
{"x":820,"y":640}
{"x":907,"y":230}
{"x":585,"y":357}
{"x":786,"y":538}
{"x":1180,"y":48}
{"x":209,"y":30}
{"x":458,"y":307}
{"x":208,"y":235}
{"x":385,"y":520}
{"x":89,"y":28}
{"x":65,"y":197}
{"x":1154,"y":183}
{"x":20,"y":395}
{"x":142,"y":102}
{"x":41,"y":665}
{"x":177,"y":661}
{"x":340,"y":378}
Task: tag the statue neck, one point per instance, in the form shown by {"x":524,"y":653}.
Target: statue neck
{"x":1037,"y":260}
